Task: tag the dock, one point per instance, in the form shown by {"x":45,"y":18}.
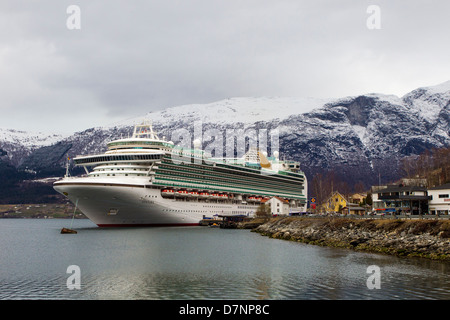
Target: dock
{"x":225,"y":221}
{"x":221,"y":223}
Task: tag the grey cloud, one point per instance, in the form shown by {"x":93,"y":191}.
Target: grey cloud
{"x":133,"y":57}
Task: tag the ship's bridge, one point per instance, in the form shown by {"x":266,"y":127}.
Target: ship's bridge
{"x":131,"y":144}
{"x":143,"y":149}
{"x":144,"y":138}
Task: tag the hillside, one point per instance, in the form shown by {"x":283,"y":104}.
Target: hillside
{"x":361,"y":139}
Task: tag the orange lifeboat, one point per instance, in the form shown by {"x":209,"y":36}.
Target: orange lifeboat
{"x":167,"y":192}
{"x":204,"y":195}
{"x":182,"y":193}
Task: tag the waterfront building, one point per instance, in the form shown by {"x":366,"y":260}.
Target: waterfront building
{"x":357,"y":198}
{"x":439,"y":199}
{"x":400,"y":199}
{"x":278,"y":206}
{"x":335,"y":203}
{"x":353,"y":208}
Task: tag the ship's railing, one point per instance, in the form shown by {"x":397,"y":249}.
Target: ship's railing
{"x":104,"y":158}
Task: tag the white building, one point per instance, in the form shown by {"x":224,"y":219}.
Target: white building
{"x":400,"y":199}
{"x":439,"y":202}
{"x":278,"y":206}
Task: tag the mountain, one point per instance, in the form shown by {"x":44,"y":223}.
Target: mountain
{"x":19,"y":144}
{"x":360,"y":138}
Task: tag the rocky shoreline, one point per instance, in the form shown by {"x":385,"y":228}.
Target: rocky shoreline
{"x":420,"y":238}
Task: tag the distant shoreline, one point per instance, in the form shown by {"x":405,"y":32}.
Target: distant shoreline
{"x":40,"y":211}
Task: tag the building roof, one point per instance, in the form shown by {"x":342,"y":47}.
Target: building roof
{"x":396,"y":188}
{"x":335,"y":193}
{"x":442,"y":187}
{"x":281,"y":199}
{"x":278,"y":198}
{"x":375,"y":189}
{"x":361,"y":194}
{"x":354,"y":206}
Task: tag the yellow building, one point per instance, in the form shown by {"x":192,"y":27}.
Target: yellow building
{"x":357,"y":198}
{"x":335,"y":203}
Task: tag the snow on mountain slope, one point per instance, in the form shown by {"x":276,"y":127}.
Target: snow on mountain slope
{"x":29,"y":139}
{"x":233,"y":110}
{"x":443,"y":88}
{"x":428,"y":101}
{"x":19,"y":144}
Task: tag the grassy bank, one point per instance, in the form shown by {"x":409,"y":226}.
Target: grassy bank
{"x":39,"y":211}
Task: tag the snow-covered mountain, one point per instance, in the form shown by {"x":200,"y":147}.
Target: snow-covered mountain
{"x":19,"y":144}
{"x":246,"y":110}
{"x":360,"y":138}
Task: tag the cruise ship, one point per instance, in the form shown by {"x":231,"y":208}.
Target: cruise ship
{"x":147,"y":181}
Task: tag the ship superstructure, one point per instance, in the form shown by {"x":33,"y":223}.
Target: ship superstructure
{"x":145,"y":180}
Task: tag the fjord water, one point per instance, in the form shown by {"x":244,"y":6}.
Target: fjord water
{"x":197,"y":263}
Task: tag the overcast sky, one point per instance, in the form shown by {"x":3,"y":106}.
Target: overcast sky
{"x":132,"y":57}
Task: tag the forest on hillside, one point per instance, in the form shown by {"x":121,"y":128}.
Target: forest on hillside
{"x":432,"y":165}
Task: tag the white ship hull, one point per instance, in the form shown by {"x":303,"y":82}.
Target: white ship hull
{"x":121,"y":204}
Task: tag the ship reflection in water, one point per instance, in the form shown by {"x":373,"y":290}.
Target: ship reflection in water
{"x":197,"y":263}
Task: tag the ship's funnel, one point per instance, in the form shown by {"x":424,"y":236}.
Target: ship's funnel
{"x":263,"y":161}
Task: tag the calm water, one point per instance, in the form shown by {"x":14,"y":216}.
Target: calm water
{"x":197,"y":263}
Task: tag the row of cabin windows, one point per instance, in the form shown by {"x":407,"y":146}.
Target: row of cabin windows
{"x":218,"y":183}
{"x":129,"y":157}
{"x":218,"y":176}
{"x":238,"y":170}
